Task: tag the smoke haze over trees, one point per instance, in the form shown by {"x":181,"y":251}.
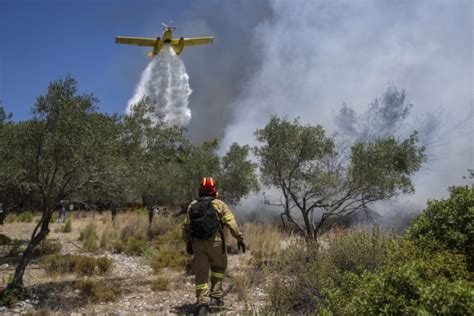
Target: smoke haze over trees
{"x":306,"y":60}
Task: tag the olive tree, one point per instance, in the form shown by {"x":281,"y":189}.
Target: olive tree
{"x":317,"y":183}
{"x":61,"y":151}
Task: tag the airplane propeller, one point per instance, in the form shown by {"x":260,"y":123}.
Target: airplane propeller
{"x":168,"y":27}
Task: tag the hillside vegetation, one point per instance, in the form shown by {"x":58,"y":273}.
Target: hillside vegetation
{"x":125,"y":182}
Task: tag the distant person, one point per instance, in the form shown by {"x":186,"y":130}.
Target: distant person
{"x":62,"y":212}
{"x":203,"y":227}
{"x":1,"y":213}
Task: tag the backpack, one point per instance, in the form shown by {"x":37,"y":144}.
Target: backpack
{"x":204,"y":220}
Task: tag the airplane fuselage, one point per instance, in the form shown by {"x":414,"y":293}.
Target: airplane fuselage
{"x":177,"y":44}
{"x":167,"y":36}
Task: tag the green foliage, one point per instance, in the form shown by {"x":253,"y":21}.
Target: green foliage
{"x":47,"y":247}
{"x":168,"y":251}
{"x":359,"y":250}
{"x":104,"y":265}
{"x":413,"y":281}
{"x":133,"y":246}
{"x":98,"y":290}
{"x":305,"y":165}
{"x":161,"y":283}
{"x":237,"y":178}
{"x":22,"y":217}
{"x":67,"y":227}
{"x":386,"y":165}
{"x":4,"y":240}
{"x":447,"y":224}
{"x":166,"y":256}
{"x":10,"y":297}
{"x":307,"y":271}
{"x":88,"y":236}
{"x":82,"y":265}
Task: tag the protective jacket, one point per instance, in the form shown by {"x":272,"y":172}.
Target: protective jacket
{"x":210,"y":256}
{"x":226,"y":218}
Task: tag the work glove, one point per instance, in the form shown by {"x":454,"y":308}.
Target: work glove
{"x":189,"y":248}
{"x":241,"y":245}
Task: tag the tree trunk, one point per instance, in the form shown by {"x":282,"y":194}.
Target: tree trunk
{"x":36,"y":238}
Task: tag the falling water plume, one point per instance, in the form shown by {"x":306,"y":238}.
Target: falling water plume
{"x":165,"y":84}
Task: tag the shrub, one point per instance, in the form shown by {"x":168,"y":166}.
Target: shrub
{"x":20,"y":217}
{"x":305,"y":271}
{"x":104,"y":265}
{"x":98,"y":291}
{"x":10,"y":297}
{"x":414,"y":281}
{"x":359,"y":249}
{"x":67,"y":227}
{"x":47,"y":247}
{"x":160,"y":284}
{"x":168,"y":250}
{"x":166,"y":256}
{"x":447,"y":224}
{"x":134,"y":246}
{"x":82,"y":265}
{"x":4,"y":240}
{"x":25,"y":217}
{"x":264,"y":242}
{"x":88,"y":236}
{"x":57,"y":264}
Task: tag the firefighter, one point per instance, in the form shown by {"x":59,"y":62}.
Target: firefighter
{"x":203,"y":227}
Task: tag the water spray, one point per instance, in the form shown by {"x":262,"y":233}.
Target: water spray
{"x":165,"y":84}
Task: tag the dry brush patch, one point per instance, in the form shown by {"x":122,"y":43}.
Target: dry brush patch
{"x":81,"y":265}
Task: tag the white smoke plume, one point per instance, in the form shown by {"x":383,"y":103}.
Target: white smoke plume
{"x":317,"y":55}
{"x":165,"y":84}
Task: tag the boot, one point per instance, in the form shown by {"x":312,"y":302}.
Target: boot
{"x":216,"y":302}
{"x":201,"y":310}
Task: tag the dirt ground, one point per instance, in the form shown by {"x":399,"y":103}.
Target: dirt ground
{"x":56,"y":295}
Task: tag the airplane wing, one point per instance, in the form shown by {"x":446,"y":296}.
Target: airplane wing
{"x":194,"y":41}
{"x":140,"y":41}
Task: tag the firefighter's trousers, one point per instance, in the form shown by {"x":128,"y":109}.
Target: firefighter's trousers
{"x":209,"y":256}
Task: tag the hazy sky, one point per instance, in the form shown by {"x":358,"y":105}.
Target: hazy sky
{"x":297,"y":58}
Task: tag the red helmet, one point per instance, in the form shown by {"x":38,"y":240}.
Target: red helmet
{"x":207,"y":187}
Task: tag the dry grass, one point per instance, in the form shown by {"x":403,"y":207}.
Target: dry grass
{"x":98,"y":290}
{"x":265,"y":242}
{"x":160,"y":284}
{"x":82,"y":265}
{"x":247,"y":277}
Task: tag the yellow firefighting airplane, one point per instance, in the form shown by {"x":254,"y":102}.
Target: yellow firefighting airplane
{"x":167,"y":39}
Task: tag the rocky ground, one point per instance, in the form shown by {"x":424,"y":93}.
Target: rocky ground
{"x":50,"y":295}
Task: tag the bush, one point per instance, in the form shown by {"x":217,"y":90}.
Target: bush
{"x":359,"y":250}
{"x":307,"y":270}
{"x":4,"y":240}
{"x":447,"y":224}
{"x":21,"y":217}
{"x":47,"y":247}
{"x":88,"y":236}
{"x":98,"y":291}
{"x":167,"y":256}
{"x":414,"y":281}
{"x":264,"y":242}
{"x":10,"y":297}
{"x":160,"y":284}
{"x":104,"y":265}
{"x":67,"y":227}
{"x":168,"y":251}
{"x":82,"y":265}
